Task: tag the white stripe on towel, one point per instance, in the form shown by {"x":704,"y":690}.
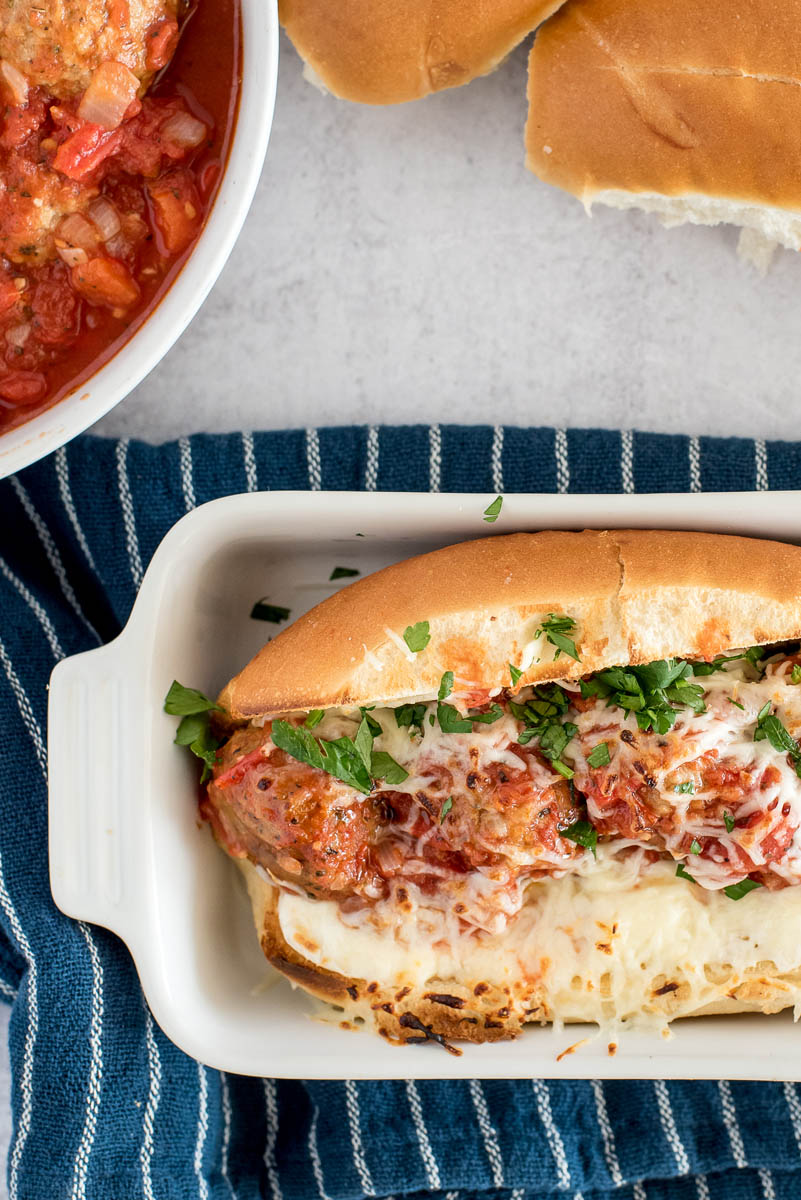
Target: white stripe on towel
{"x":354,"y":1123}
{"x":313,"y":460}
{"x":627,"y":460}
{"x":151,"y":1107}
{"x":426,"y":1153}
{"x":694,"y":452}
{"x":557,"y":1146}
{"x":53,"y":556}
{"x":669,"y":1128}
{"x":488,"y":1133}
{"x":434,"y":458}
{"x":761,"y":464}
{"x":562,"y":453}
{"x":607,"y":1133}
{"x":271,"y":1107}
{"x":65,"y":491}
{"x":95,"y":1084}
{"x":187,"y":480}
{"x":497,"y":459}
{"x":128,"y":514}
{"x":371,"y":460}
{"x":249,"y":455}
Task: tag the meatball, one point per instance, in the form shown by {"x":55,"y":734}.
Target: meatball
{"x":57,"y":44}
{"x":303,"y":825}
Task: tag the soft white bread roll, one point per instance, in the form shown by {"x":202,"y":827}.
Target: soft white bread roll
{"x":389,"y":51}
{"x":688,"y":111}
{"x":635,"y":596}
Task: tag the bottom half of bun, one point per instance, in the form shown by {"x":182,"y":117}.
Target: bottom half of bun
{"x":605,"y":947}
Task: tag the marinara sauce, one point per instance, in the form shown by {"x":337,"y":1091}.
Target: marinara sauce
{"x":153,"y":181}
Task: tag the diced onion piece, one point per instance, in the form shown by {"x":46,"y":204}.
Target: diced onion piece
{"x":111,"y":89}
{"x":184,"y":130}
{"x":16,"y":83}
{"x":76,"y":231}
{"x":18,"y":335}
{"x":73,"y":256}
{"x":105,"y":217}
{"x":117,"y":246}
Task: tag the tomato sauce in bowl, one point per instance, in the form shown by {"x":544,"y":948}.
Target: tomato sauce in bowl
{"x":104,"y":196}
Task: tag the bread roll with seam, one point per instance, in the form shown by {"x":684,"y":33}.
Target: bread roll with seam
{"x":468,"y":908}
{"x":382,"y":52}
{"x":689,"y":112}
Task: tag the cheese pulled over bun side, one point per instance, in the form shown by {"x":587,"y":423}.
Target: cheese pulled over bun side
{"x":669,"y":106}
{"x":390,"y":51}
{"x":635,"y":596}
{"x":596,"y":948}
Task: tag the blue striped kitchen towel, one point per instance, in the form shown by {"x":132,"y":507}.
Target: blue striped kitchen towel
{"x":104,"y":1106}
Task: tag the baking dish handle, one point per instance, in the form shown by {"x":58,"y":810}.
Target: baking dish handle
{"x":95,"y":749}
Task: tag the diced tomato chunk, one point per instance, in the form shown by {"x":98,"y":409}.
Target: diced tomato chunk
{"x":176,"y":210}
{"x":105,"y":282}
{"x":85,"y":149}
{"x":9,"y":296}
{"x":23,"y":387}
{"x":56,"y":309}
{"x":162,"y":39}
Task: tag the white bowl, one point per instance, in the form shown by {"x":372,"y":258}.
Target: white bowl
{"x":112,"y":383}
{"x":127,"y":850}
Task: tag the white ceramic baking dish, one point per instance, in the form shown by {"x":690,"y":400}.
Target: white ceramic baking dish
{"x":126,"y":848}
{"x":129,"y":366}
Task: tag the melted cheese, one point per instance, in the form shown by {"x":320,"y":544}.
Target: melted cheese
{"x":604,"y":944}
{"x":733,"y":699}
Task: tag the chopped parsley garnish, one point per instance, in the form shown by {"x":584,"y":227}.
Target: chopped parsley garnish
{"x":417,"y":636}
{"x":687,"y":787}
{"x":410,"y":716}
{"x":555,"y":629}
{"x":383,"y":766}
{"x":695,"y":846}
{"x":194,"y":729}
{"x":542,"y":716}
{"x":795,"y":674}
{"x":599,"y":756}
{"x":769,"y":726}
{"x":445,"y":686}
{"x":352,"y":760}
{"x":493,"y":511}
{"x":736,"y":703}
{"x":583,"y":834}
{"x":182,"y":701}
{"x":343,"y":573}
{"x":736,"y":891}
{"x":487,"y":718}
{"x":755,"y":656}
{"x":451,"y":720}
{"x":262,"y":611}
{"x":728,"y":821}
{"x":683,"y":873}
{"x":653,"y":692}
{"x":515,"y":674}
{"x":446,"y":808}
{"x":314,"y":718}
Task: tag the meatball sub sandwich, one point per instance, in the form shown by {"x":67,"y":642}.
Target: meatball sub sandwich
{"x":543,"y":777}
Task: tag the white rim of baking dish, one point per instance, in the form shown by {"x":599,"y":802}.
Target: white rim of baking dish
{"x":111,"y":880}
{"x":113,"y":382}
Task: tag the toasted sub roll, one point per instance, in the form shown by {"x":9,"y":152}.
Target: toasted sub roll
{"x":686,"y":111}
{"x":382,"y":52}
{"x":532,"y":778}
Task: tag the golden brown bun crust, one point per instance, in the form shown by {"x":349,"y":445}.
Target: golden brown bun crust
{"x":484,"y":1011}
{"x":636,"y":596}
{"x":388,"y":51}
{"x":662,"y":96}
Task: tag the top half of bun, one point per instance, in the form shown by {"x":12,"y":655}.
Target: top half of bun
{"x":690,"y":109}
{"x":635,"y":596}
{"x":388,"y":51}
